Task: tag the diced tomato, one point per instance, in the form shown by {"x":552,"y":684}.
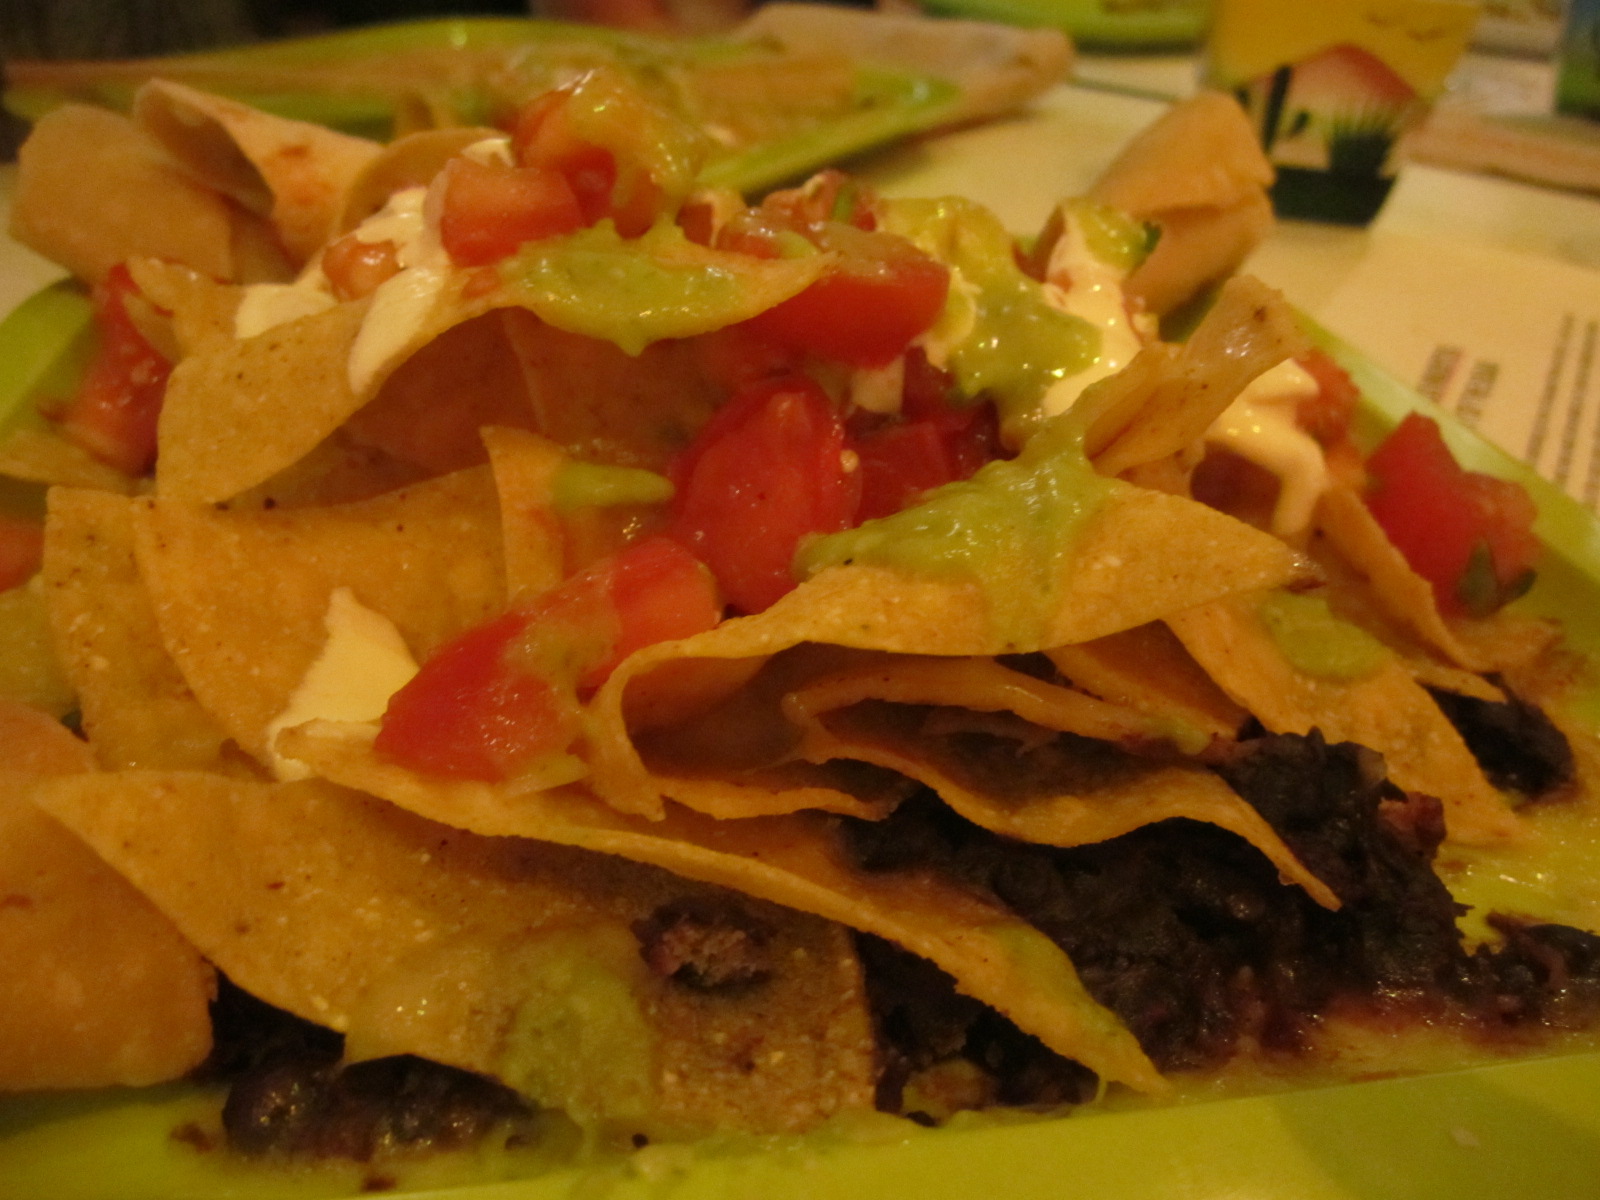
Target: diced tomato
{"x":21,"y":550}
{"x":468,"y":715}
{"x":356,"y":268}
{"x":660,"y":593}
{"x":1326,"y":416}
{"x":829,"y":195}
{"x":488,"y":211}
{"x":623,"y":156}
{"x":114,"y":414}
{"x":1470,"y":535}
{"x":930,"y":443}
{"x":505,"y":694}
{"x":767,"y":471}
{"x":866,"y":310}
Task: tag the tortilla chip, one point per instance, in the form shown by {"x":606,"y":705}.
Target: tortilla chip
{"x":294,"y":172}
{"x":1199,"y":174}
{"x":976,"y":684}
{"x":1404,"y":596}
{"x":243,"y":411}
{"x":797,"y":861}
{"x":31,"y":671}
{"x":1148,"y":670}
{"x":605,"y":405}
{"x":1108,"y":584}
{"x":241,"y":595}
{"x":135,"y":706}
{"x":509,"y":957}
{"x":1058,"y":792}
{"x":93,"y":190}
{"x":1386,"y":711}
{"x":525,"y":467}
{"x":338,"y":470}
{"x":201,"y":308}
{"x":1167,"y":397}
{"x":39,"y":454}
{"x":99,"y":989}
{"x":227,"y":421}
{"x":430,"y":410}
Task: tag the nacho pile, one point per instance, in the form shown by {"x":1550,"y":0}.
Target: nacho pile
{"x":701,"y":665}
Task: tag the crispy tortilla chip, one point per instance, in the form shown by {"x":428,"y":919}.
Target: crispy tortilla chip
{"x":135,"y":706}
{"x":1406,"y":597}
{"x":201,"y":308}
{"x":977,"y":684}
{"x":796,"y":861}
{"x":603,"y":404}
{"x":244,"y":411}
{"x":429,"y":412}
{"x":1168,"y":396}
{"x":1108,"y":584}
{"x":98,"y":989}
{"x":1386,"y":710}
{"x":525,"y":467}
{"x":241,"y":595}
{"x":1148,"y":670}
{"x":1062,"y":792}
{"x":294,"y":172}
{"x":1199,"y":174}
{"x":239,"y":412}
{"x":94,"y":190}
{"x":39,"y":454}
{"x":510,"y":957}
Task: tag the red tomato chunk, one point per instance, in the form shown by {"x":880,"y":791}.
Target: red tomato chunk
{"x":505,"y":695}
{"x":1469,"y":534}
{"x":767,"y":471}
{"x":488,"y":211}
{"x":114,"y":414}
{"x":21,"y":550}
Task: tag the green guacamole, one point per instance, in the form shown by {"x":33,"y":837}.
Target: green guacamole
{"x":1001,"y":336}
{"x":636,"y":291}
{"x":1317,"y":642}
{"x":1008,"y":529}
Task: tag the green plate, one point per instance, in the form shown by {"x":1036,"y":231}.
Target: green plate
{"x":1528,"y":1128}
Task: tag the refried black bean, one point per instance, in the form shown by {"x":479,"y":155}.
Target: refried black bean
{"x":706,"y":945}
{"x":1186,"y":932}
{"x":290,"y":1096}
{"x":1517,"y":745}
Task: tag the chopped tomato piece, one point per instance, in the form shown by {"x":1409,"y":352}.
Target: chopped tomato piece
{"x":21,"y":550}
{"x":865,"y":311}
{"x":505,"y":694}
{"x":356,"y":268}
{"x":488,"y":211}
{"x":829,"y":195}
{"x":468,"y":715}
{"x":1326,"y":416}
{"x":623,"y":156}
{"x":932,"y":442}
{"x":767,"y":471}
{"x":114,"y":414}
{"x":1469,"y":534}
{"x":660,"y":593}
